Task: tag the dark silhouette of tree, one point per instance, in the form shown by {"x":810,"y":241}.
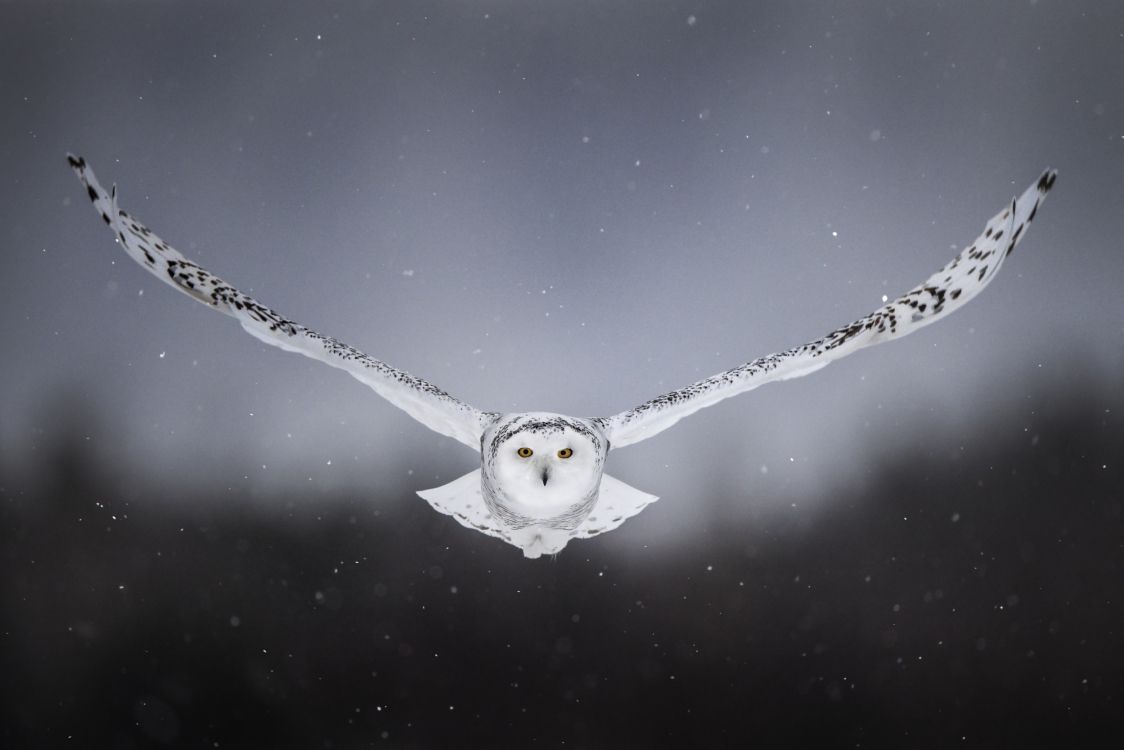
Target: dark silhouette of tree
{"x":972,"y":597}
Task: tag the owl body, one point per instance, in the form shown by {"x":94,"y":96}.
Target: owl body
{"x":541,"y":483}
{"x":541,"y":475}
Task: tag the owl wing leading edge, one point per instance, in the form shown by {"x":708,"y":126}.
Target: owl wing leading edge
{"x":423,"y":401}
{"x":940,"y":294}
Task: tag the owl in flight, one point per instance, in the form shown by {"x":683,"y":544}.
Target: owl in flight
{"x":542,"y":479}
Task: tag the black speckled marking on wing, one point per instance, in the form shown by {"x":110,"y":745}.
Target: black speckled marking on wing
{"x":948,"y":289}
{"x":422,"y":400}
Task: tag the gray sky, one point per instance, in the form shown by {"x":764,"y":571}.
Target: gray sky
{"x":565,"y":206}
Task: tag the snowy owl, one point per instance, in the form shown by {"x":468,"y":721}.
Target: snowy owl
{"x":542,"y":479}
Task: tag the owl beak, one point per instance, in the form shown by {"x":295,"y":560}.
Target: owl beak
{"x":545,"y":476}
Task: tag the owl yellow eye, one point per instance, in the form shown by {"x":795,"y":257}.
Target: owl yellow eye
{"x":525,"y":452}
{"x":565,"y":453}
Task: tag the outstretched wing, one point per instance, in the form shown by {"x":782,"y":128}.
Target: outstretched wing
{"x":940,"y":294}
{"x":423,"y":401}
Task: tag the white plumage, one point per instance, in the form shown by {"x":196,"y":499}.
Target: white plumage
{"x":541,"y":480}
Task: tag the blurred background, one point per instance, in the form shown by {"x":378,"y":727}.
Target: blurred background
{"x":566,"y":206}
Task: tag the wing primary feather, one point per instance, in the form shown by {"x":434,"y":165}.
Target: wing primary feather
{"x":420,"y":399}
{"x":945,"y":291}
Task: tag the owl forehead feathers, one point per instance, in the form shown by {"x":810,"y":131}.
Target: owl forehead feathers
{"x":542,"y":426}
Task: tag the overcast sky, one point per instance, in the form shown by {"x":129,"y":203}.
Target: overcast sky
{"x":564,"y":206}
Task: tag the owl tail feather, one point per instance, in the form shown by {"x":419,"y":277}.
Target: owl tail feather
{"x":463,"y":500}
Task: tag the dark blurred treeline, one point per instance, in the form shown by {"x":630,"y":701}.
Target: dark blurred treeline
{"x":972,"y":596}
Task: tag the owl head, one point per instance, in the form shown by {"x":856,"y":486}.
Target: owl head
{"x":544,"y":467}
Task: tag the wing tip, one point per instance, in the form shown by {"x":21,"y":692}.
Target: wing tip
{"x":1046,"y":181}
{"x":76,"y":162}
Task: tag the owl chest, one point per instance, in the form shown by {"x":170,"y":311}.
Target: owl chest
{"x":515,"y":514}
